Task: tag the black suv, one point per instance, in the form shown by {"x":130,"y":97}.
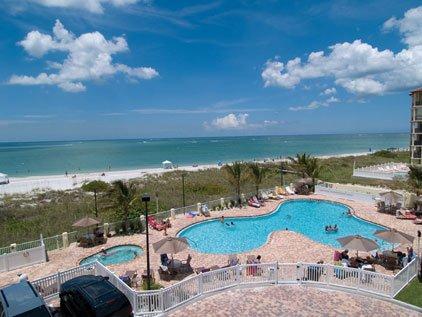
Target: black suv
{"x":93,"y":296}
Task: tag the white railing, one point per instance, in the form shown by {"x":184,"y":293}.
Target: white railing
{"x":402,"y":278}
{"x":18,"y":259}
{"x":323,"y":189}
{"x":160,"y":301}
{"x":56,"y":242}
{"x":49,"y":287}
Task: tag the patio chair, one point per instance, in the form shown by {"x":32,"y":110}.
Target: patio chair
{"x":185,"y":267}
{"x":233,"y":260}
{"x":205,"y":211}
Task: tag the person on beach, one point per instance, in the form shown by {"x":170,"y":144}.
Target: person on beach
{"x":66,"y":173}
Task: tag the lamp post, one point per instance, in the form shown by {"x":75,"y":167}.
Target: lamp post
{"x":183,"y":190}
{"x":146,"y":198}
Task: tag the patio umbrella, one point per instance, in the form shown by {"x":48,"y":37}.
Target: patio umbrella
{"x":393,"y":236}
{"x":391,"y":197}
{"x":86,"y":222}
{"x":358,"y":243}
{"x":170,"y":245}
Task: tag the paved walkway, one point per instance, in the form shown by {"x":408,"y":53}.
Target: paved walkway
{"x":291,"y":301}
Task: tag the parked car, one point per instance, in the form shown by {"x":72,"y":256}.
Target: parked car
{"x":93,"y":296}
{"x":22,"y":300}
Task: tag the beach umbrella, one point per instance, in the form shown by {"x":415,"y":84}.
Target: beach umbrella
{"x":393,"y":236}
{"x":358,"y":243}
{"x":391,"y":197}
{"x":167,"y":164}
{"x":170,"y":245}
{"x":86,"y":222}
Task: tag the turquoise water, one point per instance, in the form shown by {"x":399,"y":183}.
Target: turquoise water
{"x":307,"y":217}
{"x":46,"y":158}
{"x":115,"y":255}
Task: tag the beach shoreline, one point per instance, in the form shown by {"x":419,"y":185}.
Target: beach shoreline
{"x":28,"y":184}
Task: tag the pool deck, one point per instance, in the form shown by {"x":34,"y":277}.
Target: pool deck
{"x":291,"y":301}
{"x":283,"y":246}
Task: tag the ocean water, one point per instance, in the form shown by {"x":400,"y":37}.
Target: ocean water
{"x":21,"y":159}
{"x":307,"y":217}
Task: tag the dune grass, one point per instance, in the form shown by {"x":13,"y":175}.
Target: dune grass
{"x":24,"y":217}
{"x":412,"y":293}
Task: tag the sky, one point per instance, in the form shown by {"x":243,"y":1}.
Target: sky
{"x":108,"y":69}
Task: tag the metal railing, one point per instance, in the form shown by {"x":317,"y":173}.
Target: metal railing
{"x":160,"y":301}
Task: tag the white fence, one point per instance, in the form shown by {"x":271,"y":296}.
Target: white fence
{"x":160,"y":301}
{"x":325,"y":189}
{"x":18,"y":259}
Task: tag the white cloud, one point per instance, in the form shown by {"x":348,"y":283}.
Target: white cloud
{"x":93,"y":6}
{"x":329,"y":91}
{"x":89,"y":58}
{"x":316,"y":104}
{"x":357,"y":66}
{"x":231,"y":121}
{"x":270,"y":122}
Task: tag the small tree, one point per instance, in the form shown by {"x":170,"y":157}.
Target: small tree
{"x":95,"y":187}
{"x":415,"y":179}
{"x":235,"y":176}
{"x":257,"y":174}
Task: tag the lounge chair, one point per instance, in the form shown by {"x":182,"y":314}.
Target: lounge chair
{"x":253,"y":204}
{"x":289,"y":190}
{"x":203,"y":269}
{"x":154,"y":224}
{"x":280,"y":191}
{"x":418,"y":221}
{"x":406,"y":216}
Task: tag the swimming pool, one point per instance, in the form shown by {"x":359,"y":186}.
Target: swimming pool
{"x":114,"y":255}
{"x":308,"y":217}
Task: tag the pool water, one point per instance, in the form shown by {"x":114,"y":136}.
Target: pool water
{"x":308,"y":217}
{"x":115,"y":255}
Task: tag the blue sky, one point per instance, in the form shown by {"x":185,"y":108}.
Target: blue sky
{"x":98,"y":69}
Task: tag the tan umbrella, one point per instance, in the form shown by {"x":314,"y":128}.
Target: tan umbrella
{"x":170,"y":245}
{"x":391,"y":197}
{"x":86,"y":222}
{"x":393,"y":236}
{"x":358,"y":243}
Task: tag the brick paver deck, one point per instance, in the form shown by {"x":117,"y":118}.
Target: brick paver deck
{"x":291,"y":301}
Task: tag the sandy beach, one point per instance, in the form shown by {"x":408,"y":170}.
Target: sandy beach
{"x":23,"y":185}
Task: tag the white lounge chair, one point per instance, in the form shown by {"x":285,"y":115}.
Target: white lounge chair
{"x":289,"y":190}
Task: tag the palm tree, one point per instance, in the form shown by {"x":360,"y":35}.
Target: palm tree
{"x":95,"y":187}
{"x":235,"y":176}
{"x":124,"y":195}
{"x":299,"y":162}
{"x":257,"y":174}
{"x":415,"y":179}
{"x":307,"y":166}
{"x":313,"y":170}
